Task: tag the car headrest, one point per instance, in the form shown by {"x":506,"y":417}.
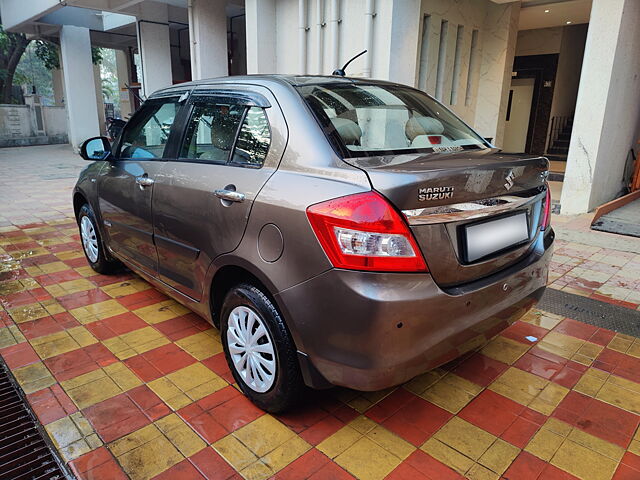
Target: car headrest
{"x":417,"y":126}
{"x":349,"y":131}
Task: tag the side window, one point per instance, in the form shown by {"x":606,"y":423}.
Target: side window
{"x":211,"y":132}
{"x":148,"y":133}
{"x":253,"y":140}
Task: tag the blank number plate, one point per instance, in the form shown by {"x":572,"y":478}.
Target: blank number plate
{"x":482,"y":239}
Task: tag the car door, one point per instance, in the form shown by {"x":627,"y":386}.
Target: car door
{"x":202,"y":199}
{"x":126,"y":184}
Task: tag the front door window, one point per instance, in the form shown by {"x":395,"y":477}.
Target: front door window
{"x":146,"y":136}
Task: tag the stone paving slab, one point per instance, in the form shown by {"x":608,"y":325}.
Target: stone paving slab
{"x":129,"y":384}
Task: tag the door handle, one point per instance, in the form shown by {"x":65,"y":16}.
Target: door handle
{"x":229,"y":195}
{"x":144,"y":181}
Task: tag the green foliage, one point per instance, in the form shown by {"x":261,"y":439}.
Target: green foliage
{"x":34,"y":71}
{"x":96,"y":55}
{"x":47,"y":52}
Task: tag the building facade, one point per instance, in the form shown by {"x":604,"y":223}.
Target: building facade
{"x":560,"y":78}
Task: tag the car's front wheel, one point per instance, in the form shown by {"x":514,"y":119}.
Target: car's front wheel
{"x":92,"y":243}
{"x":259,"y":349}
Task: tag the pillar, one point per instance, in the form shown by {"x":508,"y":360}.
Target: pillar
{"x":261,"y":36}
{"x":79,"y":86}
{"x":500,"y":33}
{"x":208,"y":38}
{"x":99,"y":99}
{"x":607,"y":118}
{"x":58,"y":86}
{"x":124,"y":79}
{"x":155,"y":50}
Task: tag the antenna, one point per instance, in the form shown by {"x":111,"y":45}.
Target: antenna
{"x":340,"y":71}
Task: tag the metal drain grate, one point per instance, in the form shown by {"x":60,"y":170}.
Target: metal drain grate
{"x":25,"y":452}
{"x":591,"y":311}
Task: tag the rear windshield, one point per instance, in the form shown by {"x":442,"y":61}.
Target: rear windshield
{"x":367,"y":120}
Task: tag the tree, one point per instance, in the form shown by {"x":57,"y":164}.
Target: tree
{"x":12,"y":46}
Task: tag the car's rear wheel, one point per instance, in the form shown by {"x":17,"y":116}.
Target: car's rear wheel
{"x":259,"y":349}
{"x":92,"y":243}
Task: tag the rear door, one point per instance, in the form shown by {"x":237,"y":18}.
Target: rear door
{"x":126,"y":185}
{"x":232,"y":144}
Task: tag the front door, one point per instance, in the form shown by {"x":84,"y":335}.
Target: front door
{"x":125,"y":186}
{"x":203,"y":198}
{"x":518,"y":114}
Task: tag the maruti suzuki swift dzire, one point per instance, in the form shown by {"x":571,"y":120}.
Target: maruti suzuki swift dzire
{"x":338,"y":231}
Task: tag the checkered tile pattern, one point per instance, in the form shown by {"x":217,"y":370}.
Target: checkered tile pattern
{"x":129,"y":384}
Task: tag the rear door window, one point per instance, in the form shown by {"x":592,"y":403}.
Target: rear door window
{"x":226,"y":133}
{"x":211,"y":132}
{"x":253,"y":140}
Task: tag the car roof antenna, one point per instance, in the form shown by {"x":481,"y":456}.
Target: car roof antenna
{"x":340,"y":71}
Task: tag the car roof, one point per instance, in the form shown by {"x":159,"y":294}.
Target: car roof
{"x":291,"y":80}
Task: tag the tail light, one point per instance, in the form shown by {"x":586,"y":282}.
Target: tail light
{"x":546,"y":217}
{"x":364,"y":232}
{"x":435,"y":139}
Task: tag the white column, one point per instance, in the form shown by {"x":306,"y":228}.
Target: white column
{"x":155,"y":55}
{"x":607,"y":118}
{"x":124,"y":78}
{"x":499,"y":34}
{"x":79,"y":86}
{"x":261,"y":36}
{"x":208,"y":37}
{"x":403,"y":42}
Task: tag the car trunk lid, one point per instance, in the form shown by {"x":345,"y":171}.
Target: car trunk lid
{"x":443,"y":195}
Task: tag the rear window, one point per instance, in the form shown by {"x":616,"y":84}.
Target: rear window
{"x":367,"y":120}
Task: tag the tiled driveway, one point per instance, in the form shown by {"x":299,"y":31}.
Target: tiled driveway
{"x":127,"y":382}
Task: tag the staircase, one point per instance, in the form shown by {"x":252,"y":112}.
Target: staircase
{"x":560,"y":135}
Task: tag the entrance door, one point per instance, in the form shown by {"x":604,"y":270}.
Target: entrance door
{"x":125,"y":186}
{"x":518,"y":113}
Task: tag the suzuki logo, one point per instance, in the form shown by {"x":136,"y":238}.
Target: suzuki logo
{"x":509,"y":180}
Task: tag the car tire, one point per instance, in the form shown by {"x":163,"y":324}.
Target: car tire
{"x":92,"y":245}
{"x":274,"y":386}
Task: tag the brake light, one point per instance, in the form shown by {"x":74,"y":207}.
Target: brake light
{"x":364,"y":232}
{"x":435,"y":139}
{"x":546,"y":217}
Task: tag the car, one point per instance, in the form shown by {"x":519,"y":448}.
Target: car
{"x":338,"y":231}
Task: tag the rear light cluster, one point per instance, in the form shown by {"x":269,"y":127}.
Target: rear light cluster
{"x":546,"y":214}
{"x":364,"y":232}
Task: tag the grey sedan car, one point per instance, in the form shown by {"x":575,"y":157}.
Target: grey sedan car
{"x":338,"y":231}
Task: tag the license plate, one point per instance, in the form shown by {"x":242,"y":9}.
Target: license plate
{"x":485,"y":238}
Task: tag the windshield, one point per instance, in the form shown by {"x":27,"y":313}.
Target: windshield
{"x":366,"y":120}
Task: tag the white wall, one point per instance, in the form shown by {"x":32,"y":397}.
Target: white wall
{"x":55,"y":120}
{"x":607,"y":116}
{"x":18,"y":121}
{"x":400,"y":52}
{"x":469,"y":70}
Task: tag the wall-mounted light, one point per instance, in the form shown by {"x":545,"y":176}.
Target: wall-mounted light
{"x":568,"y":22}
{"x":547,"y":11}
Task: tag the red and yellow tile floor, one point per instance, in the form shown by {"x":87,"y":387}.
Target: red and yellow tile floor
{"x":130,"y":384}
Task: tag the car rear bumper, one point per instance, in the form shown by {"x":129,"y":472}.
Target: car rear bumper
{"x":369,"y":331}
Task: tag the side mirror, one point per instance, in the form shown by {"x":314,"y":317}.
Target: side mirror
{"x":96,"y":148}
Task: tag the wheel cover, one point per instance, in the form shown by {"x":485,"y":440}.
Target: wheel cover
{"x":89,"y":239}
{"x":251,"y":349}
